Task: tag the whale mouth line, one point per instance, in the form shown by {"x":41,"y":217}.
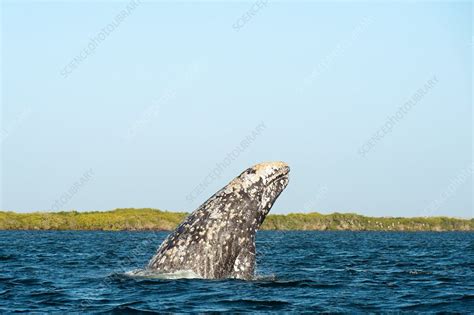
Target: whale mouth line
{"x":281,"y":175}
{"x":284,"y":175}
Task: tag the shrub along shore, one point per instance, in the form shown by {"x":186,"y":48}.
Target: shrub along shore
{"x":152,"y":219}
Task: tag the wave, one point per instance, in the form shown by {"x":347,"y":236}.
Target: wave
{"x":128,"y":309}
{"x":184,"y":274}
{"x":151,"y":274}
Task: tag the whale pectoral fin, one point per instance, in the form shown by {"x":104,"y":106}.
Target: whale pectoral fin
{"x":244,"y":265}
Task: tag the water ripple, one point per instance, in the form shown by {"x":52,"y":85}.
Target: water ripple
{"x":350,"y":272}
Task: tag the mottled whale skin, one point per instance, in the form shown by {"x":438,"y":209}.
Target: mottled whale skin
{"x":217,"y":240}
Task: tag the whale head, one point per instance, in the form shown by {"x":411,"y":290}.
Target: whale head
{"x":257,"y":188}
{"x":217,"y":240}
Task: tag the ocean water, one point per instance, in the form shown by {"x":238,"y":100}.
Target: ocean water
{"x":74,"y":271}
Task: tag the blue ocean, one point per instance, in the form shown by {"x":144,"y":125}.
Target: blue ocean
{"x":99,"y":272}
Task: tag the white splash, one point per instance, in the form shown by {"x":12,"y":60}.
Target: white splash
{"x":147,"y":273}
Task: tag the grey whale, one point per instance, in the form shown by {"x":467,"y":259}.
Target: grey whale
{"x":217,"y":240}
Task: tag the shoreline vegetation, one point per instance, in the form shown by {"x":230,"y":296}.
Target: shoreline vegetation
{"x":131,"y":219}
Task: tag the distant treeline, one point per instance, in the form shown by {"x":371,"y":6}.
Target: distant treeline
{"x":151,"y":219}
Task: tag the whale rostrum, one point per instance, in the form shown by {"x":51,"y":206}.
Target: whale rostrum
{"x":217,"y":240}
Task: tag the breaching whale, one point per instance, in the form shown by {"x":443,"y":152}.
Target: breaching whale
{"x":217,"y":240}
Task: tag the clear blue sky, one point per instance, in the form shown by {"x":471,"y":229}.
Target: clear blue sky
{"x":175,"y":87}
